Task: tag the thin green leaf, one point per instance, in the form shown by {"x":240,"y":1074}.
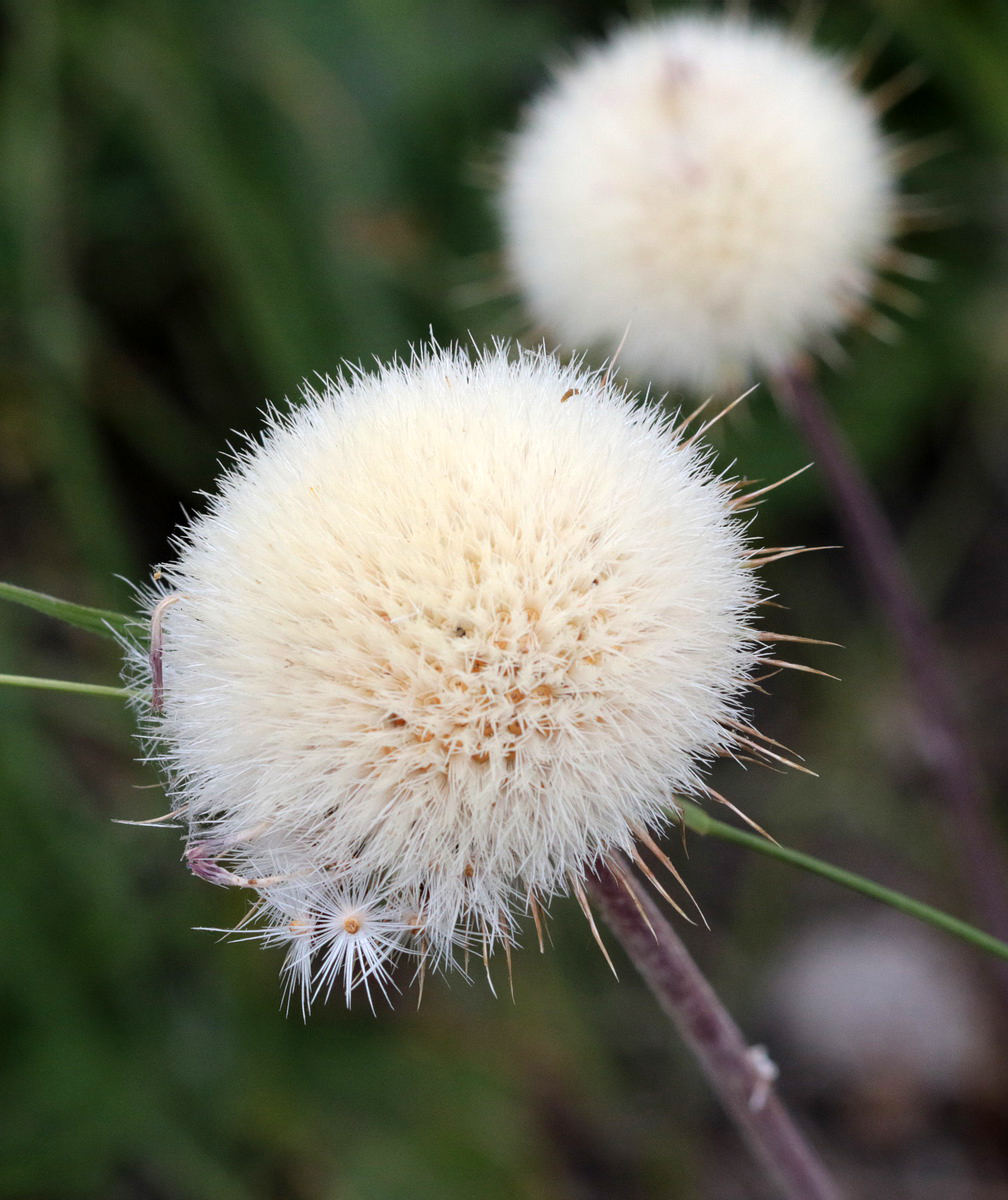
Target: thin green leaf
{"x":63,"y":685}
{"x":699,"y":822}
{"x":95,"y":620}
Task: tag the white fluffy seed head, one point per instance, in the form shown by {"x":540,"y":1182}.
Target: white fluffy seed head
{"x":446,"y":635}
{"x":715,"y":189}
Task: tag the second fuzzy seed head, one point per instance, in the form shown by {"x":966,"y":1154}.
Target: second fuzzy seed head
{"x":716,"y":190}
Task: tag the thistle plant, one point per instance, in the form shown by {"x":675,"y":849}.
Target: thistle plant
{"x":461,"y":637}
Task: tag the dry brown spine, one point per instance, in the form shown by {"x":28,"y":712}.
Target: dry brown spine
{"x":486,"y":954}
{"x":645,"y":837}
{"x":719,"y":799}
{"x":678,"y":430}
{"x":903,"y":262}
{"x":537,"y":919}
{"x":507,"y":956}
{"x":765,"y":635}
{"x":616,"y":867}
{"x":904,"y":83}
{"x":761,"y":558}
{"x":750,"y":731}
{"x":790,"y":666}
{"x":582,"y":899}
{"x":867,"y":54}
{"x":897,"y":297}
{"x":759,"y":750}
{"x":708,"y":425}
{"x":740,"y":502}
{"x":908,"y":155}
{"x":655,"y":883}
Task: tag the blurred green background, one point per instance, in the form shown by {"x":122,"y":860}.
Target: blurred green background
{"x":203,"y":202}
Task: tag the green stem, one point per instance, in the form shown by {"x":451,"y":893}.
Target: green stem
{"x":701,"y":823}
{"x":64,"y":685}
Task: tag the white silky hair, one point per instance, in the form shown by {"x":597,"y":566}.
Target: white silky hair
{"x":447,"y":634}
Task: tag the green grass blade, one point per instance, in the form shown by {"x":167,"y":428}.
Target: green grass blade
{"x":95,"y":620}
{"x":699,"y":822}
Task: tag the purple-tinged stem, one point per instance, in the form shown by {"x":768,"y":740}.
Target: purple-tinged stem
{"x":738,"y":1074}
{"x":945,"y":745}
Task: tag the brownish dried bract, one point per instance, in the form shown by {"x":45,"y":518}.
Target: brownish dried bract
{"x":156,"y":646}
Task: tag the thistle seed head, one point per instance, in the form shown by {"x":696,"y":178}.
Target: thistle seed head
{"x":714,"y":190}
{"x":447,"y":634}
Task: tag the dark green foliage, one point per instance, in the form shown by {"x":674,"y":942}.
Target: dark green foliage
{"x":95,"y":620}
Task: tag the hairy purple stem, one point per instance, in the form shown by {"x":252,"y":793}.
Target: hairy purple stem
{"x":738,"y":1074}
{"x":945,"y":744}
